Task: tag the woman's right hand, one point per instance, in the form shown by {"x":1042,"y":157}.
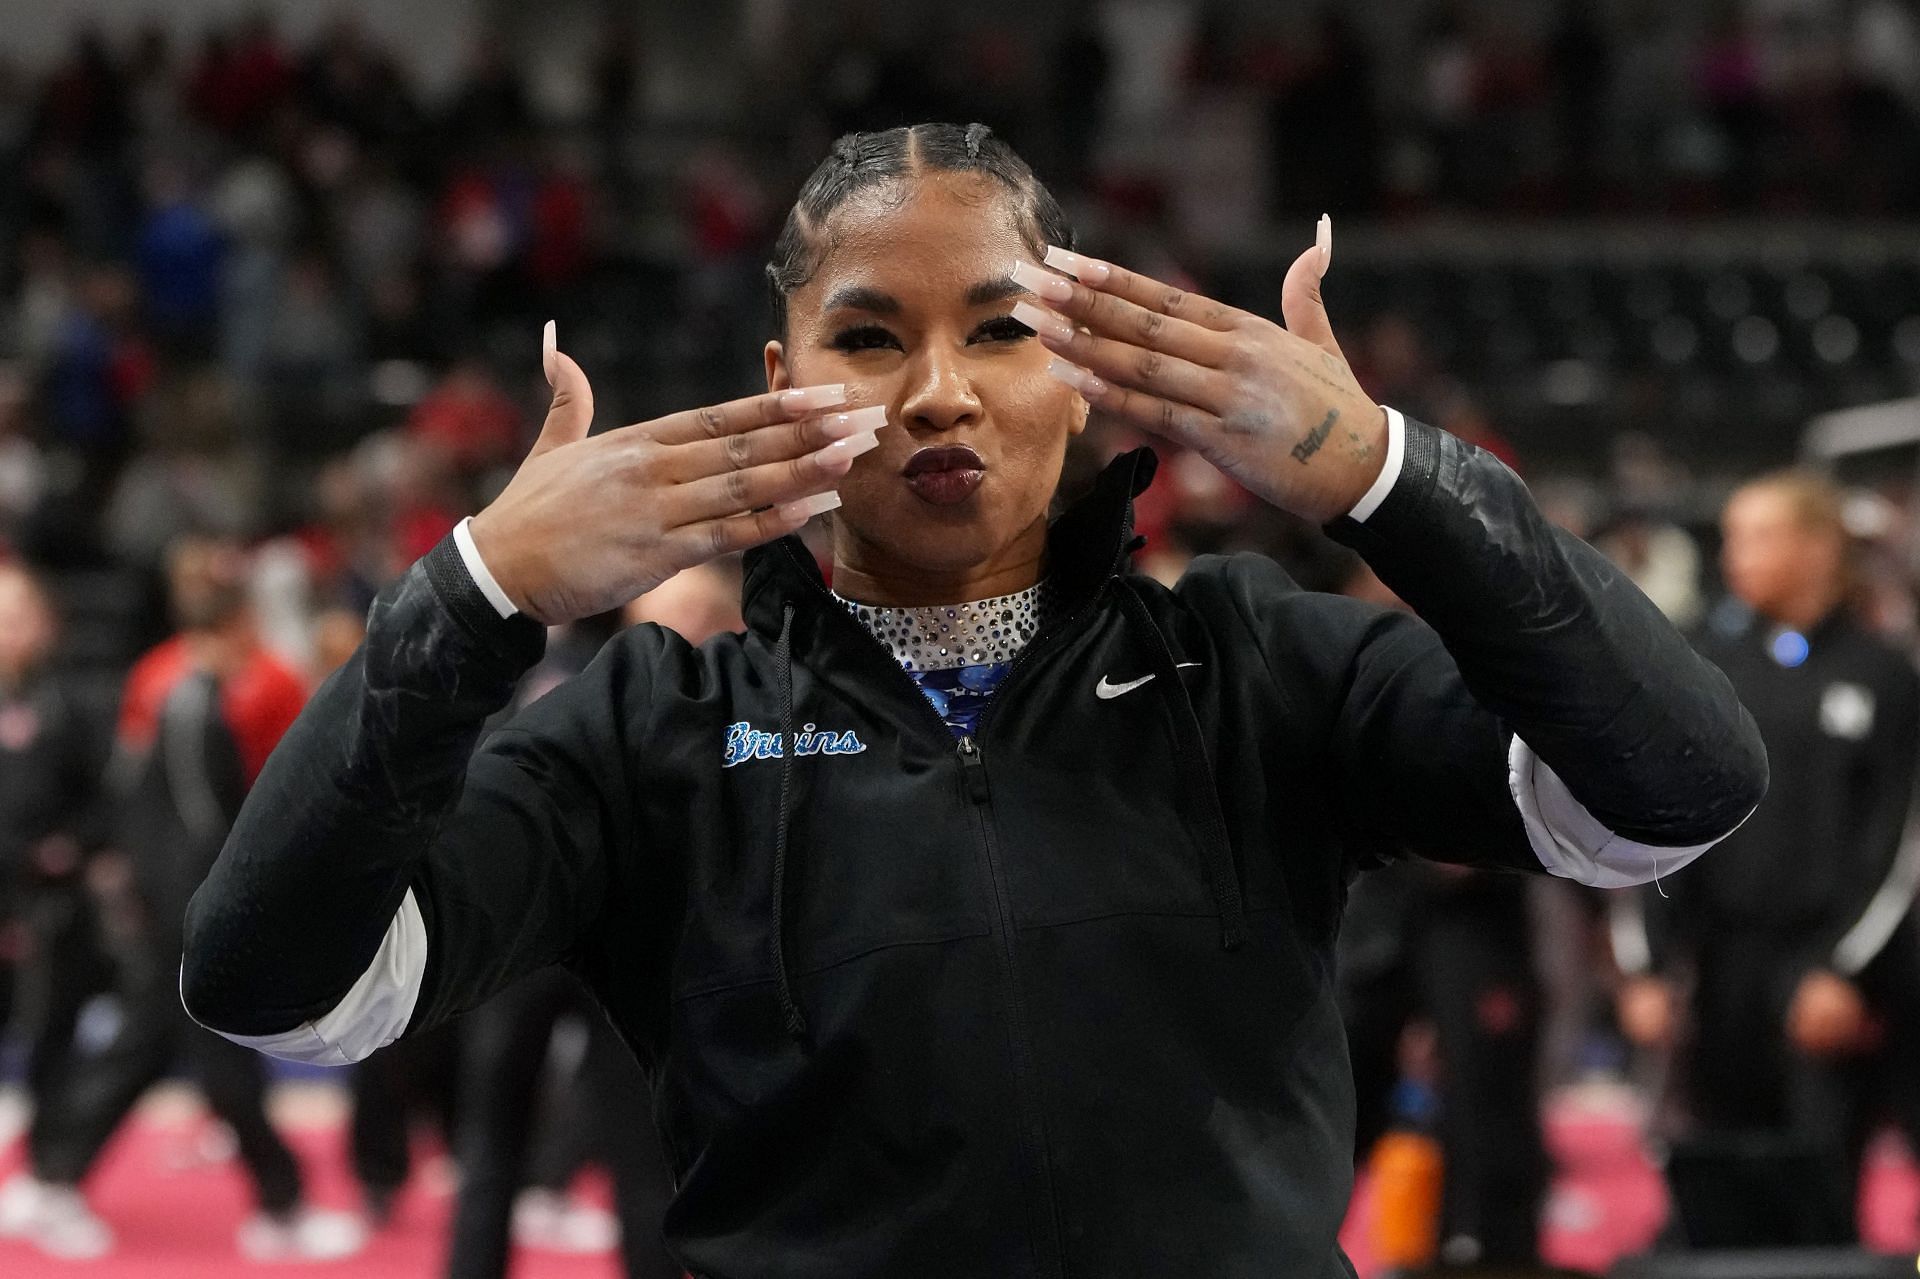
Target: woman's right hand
{"x":587,"y":524}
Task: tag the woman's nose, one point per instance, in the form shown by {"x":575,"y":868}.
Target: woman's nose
{"x":940,"y":395}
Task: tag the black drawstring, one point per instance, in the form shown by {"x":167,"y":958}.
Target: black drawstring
{"x":783,"y":675}
{"x":1198,"y":782}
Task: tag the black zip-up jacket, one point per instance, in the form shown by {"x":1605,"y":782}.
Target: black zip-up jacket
{"x":1056,"y":999}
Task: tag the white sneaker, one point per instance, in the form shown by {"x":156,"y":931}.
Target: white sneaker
{"x":536,"y":1216}
{"x":20,"y":1204}
{"x":584,"y":1228}
{"x":554,"y":1222}
{"x":309,"y":1234}
{"x":54,"y":1219}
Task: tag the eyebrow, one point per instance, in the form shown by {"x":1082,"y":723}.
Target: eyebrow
{"x":993,"y":290}
{"x":860,"y":297}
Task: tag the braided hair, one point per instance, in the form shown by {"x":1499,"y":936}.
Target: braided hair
{"x":862,"y":160}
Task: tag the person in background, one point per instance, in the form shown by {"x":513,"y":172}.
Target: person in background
{"x":200,"y":714}
{"x":695,"y":603}
{"x":1455,"y":948}
{"x":391,"y":1089}
{"x":504,"y":1192}
{"x":50,"y":765}
{"x":1795,"y":937}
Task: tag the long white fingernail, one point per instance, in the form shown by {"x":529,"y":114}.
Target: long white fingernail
{"x":1036,"y":279}
{"x":802,"y":398}
{"x":1323,"y":238}
{"x":808,"y":507}
{"x":852,"y":446}
{"x":549,"y":349}
{"x":838,"y":426}
{"x":1076,"y":377}
{"x":1042,"y":321}
{"x":1084,"y":269}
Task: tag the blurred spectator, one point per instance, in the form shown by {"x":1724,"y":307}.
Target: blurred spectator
{"x":1426,"y":945}
{"x":352,"y":88}
{"x":1081,"y":72}
{"x":255,"y":206}
{"x":345,"y":539}
{"x":310,"y":368}
{"x":491,"y":101}
{"x":1803,"y":1015}
{"x":179,"y":254}
{"x":420,"y":497}
{"x":1325,"y":129}
{"x":42,"y":298}
{"x":469,"y":419}
{"x":97,"y":371}
{"x":192,"y":475}
{"x":84,"y":106}
{"x":1662,"y":560}
{"x":380,"y":224}
{"x":1727,"y":73}
{"x":239,"y":78}
{"x":337,"y":632}
{"x":696,"y":603}
{"x":505,"y":1052}
{"x":1580,"y":69}
{"x":51,"y":757}
{"x":23,"y":467}
{"x":202,"y":713}
{"x":1448,"y":88}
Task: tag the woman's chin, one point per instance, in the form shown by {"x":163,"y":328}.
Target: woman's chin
{"x":936,"y":541}
{"x":939,"y":549}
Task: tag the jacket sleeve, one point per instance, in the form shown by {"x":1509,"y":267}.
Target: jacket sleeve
{"x":1623,"y":753}
{"x":382,"y":875}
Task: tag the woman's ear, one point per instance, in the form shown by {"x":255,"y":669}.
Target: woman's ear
{"x":1081,"y":412}
{"x":778,"y":379}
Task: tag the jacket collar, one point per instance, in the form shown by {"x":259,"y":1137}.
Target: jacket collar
{"x":1086,"y":546}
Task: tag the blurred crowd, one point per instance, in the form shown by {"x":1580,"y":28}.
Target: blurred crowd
{"x":268,"y":327}
{"x":260,"y":288}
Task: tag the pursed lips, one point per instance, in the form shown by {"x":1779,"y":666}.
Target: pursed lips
{"x":944,"y":474}
{"x":942,"y":457}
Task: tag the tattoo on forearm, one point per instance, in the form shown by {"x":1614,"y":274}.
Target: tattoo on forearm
{"x":1311,"y":442}
{"x":1357,"y":448}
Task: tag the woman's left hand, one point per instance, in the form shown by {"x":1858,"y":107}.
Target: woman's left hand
{"x":1277,"y":409}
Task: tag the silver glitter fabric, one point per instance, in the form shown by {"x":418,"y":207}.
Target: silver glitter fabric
{"x":943,"y":637}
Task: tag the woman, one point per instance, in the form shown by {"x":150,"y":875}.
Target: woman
{"x":1038,"y":983}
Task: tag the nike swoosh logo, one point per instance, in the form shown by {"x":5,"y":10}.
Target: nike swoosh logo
{"x":1106,"y":689}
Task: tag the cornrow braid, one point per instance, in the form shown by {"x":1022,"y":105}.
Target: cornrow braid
{"x":859,"y":161}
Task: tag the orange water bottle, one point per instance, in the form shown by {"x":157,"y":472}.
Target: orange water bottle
{"x":1406,"y":1171}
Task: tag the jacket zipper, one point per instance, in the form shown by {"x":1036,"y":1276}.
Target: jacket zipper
{"x":1033,"y":1137}
{"x":1033,"y":1140}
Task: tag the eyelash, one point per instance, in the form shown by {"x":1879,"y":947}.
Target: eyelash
{"x":871,"y":337}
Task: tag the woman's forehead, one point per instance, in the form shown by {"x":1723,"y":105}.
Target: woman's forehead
{"x":929,"y":239}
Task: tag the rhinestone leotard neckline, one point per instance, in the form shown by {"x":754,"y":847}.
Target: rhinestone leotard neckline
{"x":943,"y":637}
